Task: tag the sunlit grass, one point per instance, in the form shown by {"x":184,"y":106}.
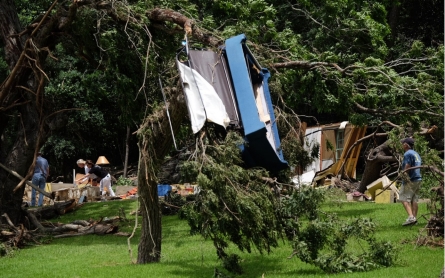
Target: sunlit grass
{"x":184,"y":255}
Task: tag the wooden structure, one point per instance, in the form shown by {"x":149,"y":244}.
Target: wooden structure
{"x":338,"y":155}
{"x":63,"y":192}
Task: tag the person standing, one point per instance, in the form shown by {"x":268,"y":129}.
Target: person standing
{"x":409,"y":193}
{"x":41,"y":172}
{"x":102,"y":174}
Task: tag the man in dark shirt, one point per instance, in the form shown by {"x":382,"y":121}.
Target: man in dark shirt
{"x":103,"y":175}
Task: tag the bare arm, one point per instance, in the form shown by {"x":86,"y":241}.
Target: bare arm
{"x":84,"y":178}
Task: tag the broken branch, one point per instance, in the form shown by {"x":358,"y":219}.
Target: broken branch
{"x":27,"y":182}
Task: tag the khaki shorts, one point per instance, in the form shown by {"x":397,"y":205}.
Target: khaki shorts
{"x":410,"y":192}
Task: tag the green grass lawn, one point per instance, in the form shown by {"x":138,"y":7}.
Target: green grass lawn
{"x":191,"y":256}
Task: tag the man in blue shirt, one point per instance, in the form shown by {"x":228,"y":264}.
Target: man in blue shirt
{"x":41,"y":172}
{"x":409,"y":193}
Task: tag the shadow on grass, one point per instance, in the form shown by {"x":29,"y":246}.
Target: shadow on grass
{"x":253,"y":266}
{"x":97,"y":210}
{"x":360,"y":212}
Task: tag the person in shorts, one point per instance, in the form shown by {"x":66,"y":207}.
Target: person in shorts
{"x":409,"y":193}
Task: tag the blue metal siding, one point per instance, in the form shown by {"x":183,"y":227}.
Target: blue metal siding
{"x":258,"y":149}
{"x":272,"y":114}
{"x":243,"y":87}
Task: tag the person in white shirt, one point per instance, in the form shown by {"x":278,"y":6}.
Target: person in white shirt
{"x":82,"y":164}
{"x":103,"y":175}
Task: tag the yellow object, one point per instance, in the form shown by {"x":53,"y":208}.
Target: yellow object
{"x":48,"y":187}
{"x":102,"y":160}
{"x":385,"y":197}
{"x":381,"y":183}
{"x":82,"y":184}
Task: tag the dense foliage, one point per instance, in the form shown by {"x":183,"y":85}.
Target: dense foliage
{"x":380,"y":61}
{"x":240,"y":206}
{"x":234,"y":204}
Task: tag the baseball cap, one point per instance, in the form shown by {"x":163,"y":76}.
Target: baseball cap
{"x":409,"y":141}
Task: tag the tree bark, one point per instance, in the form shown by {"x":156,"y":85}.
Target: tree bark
{"x":155,"y":141}
{"x":20,"y":155}
{"x":149,"y":249}
{"x":22,"y":103}
{"x":127,"y":150}
{"x":393,"y":17}
{"x":377,"y":157}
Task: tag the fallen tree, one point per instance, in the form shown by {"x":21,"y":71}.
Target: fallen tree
{"x":384,"y":154}
{"x":31,"y":232}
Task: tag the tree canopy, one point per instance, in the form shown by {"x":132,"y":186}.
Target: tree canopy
{"x":356,"y":60}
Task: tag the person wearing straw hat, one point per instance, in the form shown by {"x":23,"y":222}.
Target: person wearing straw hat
{"x":102,"y":174}
{"x":409,"y":193}
{"x":41,"y":172}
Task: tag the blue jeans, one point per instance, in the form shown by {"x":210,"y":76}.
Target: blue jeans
{"x":40,"y":181}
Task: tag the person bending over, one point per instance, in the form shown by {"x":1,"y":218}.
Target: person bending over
{"x":102,"y":174}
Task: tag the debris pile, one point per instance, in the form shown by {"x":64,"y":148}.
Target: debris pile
{"x":12,"y":237}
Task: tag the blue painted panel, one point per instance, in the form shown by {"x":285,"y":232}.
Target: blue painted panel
{"x":258,"y":151}
{"x":163,"y":189}
{"x":266,"y":74}
{"x":242,"y":85}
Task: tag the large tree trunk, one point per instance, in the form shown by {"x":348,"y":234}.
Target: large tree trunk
{"x":22,"y":103}
{"x":25,"y":122}
{"x":155,"y":141}
{"x":127,"y":150}
{"x":374,"y":162}
{"x":393,"y":17}
{"x":20,"y":158}
{"x":149,"y":249}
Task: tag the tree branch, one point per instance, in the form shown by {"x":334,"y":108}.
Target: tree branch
{"x":312,"y":65}
{"x":394,"y":113}
{"x":27,"y":182}
{"x":162,"y":15}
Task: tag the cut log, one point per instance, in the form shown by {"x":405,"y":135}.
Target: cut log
{"x":99,"y":229}
{"x":81,"y":222}
{"x":49,"y":212}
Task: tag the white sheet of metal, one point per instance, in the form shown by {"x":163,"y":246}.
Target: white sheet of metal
{"x":313,"y":136}
{"x":202,"y":100}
